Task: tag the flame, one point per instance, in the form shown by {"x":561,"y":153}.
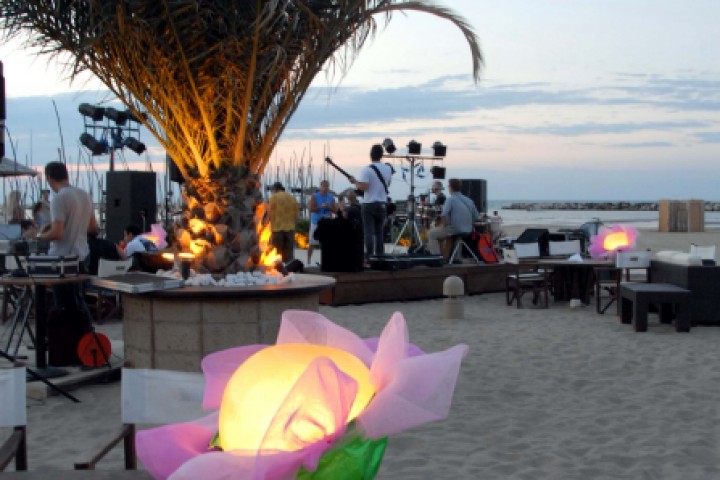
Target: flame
{"x":301,"y":240}
{"x":269,"y":256}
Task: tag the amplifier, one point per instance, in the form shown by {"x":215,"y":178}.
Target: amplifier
{"x":52,"y":266}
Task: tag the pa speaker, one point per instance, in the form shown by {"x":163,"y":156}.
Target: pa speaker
{"x":130,"y":199}
{"x":476,"y":189}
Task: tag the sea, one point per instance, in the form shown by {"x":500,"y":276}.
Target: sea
{"x":575,"y":218}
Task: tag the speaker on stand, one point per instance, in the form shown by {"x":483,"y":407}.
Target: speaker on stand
{"x":130,"y":199}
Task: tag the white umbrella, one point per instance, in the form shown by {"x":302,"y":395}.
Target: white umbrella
{"x":9,"y":168}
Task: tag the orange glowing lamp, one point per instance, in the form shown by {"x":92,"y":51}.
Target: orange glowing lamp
{"x":616,"y":240}
{"x":260,"y":387}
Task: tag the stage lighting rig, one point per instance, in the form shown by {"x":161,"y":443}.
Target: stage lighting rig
{"x":389,"y":146}
{"x":439,"y":150}
{"x":102,"y":137}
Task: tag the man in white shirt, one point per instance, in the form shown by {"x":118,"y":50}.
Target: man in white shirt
{"x":135,"y":243}
{"x":374,"y":181}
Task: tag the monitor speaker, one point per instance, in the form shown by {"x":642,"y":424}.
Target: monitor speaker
{"x":130,"y":199}
{"x":476,"y":189}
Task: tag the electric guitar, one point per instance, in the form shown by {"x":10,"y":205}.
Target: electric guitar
{"x":358,"y":192}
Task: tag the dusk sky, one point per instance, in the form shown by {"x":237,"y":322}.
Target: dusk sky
{"x":578,"y":100}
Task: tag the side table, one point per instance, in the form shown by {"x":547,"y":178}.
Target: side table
{"x":635,"y":299}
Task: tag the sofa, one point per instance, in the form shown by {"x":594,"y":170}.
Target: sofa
{"x":687,"y":271}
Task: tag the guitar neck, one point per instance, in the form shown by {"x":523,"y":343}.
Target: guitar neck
{"x":347,"y":175}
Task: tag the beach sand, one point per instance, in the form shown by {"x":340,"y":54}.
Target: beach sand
{"x":543,"y":394}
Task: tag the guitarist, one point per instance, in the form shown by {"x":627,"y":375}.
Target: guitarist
{"x":374,"y":181}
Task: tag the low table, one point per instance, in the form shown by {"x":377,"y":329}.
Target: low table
{"x":635,"y":299}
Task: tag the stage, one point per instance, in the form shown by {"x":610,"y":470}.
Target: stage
{"x":411,"y":284}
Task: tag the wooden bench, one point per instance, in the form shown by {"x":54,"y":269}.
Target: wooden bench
{"x":635,"y":299}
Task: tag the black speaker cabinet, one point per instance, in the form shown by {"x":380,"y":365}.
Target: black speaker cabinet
{"x":476,"y":189}
{"x":130,"y":198}
{"x":173,"y":170}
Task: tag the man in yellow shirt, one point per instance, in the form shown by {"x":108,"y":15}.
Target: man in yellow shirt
{"x":283,"y":217}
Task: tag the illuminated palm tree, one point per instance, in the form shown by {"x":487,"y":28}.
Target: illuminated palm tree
{"x":218,"y":79}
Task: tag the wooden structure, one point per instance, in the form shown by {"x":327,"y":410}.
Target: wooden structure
{"x":681,"y":216}
{"x":412,"y":284}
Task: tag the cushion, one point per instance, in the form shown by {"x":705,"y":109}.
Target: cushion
{"x":678,"y":258}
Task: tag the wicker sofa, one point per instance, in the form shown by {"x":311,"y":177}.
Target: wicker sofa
{"x":686,"y":271}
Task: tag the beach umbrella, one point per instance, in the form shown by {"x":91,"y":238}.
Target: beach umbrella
{"x":9,"y":168}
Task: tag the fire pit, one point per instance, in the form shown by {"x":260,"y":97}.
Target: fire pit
{"x":174,"y":329}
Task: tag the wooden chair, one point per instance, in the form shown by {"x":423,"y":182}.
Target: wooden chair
{"x":608,"y":279}
{"x":107,"y":302}
{"x":152,"y":397}
{"x":13,"y":414}
{"x":526,"y":276}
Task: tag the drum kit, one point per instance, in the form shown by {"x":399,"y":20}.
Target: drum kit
{"x":428,"y":212}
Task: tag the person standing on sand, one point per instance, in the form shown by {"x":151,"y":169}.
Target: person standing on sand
{"x":283,"y":213}
{"x":322,"y":205}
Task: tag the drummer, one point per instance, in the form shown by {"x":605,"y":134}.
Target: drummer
{"x":437,"y":190}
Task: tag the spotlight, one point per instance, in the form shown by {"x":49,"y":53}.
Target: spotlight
{"x":135,"y":145}
{"x":414,"y":147}
{"x":439,"y":150}
{"x":96,"y":113}
{"x":95,"y":146}
{"x":117,"y":116}
{"x":389,"y":146}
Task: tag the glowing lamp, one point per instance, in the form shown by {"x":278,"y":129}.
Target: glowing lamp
{"x":616,"y":241}
{"x":258,"y":389}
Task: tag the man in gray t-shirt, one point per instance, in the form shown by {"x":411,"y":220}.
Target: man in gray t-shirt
{"x":458,"y":215}
{"x":71,"y":215}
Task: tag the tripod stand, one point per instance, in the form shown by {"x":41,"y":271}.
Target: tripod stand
{"x":411,"y":225}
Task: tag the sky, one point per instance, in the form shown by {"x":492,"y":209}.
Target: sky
{"x":578,"y":100}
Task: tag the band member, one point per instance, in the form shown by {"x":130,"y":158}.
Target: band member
{"x":437,"y":190}
{"x":322,"y":205}
{"x":458,"y":215}
{"x":374,"y":181}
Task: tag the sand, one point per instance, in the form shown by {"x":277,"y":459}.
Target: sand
{"x":543,"y":394}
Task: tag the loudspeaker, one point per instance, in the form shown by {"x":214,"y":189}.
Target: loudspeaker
{"x":130,"y":198}
{"x":173,"y":170}
{"x":476,"y":189}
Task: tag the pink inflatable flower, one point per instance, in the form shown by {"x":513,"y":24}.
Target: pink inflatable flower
{"x":609,"y":241}
{"x":320,"y":400}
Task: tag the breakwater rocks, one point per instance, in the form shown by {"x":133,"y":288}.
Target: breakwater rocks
{"x":629,"y":206}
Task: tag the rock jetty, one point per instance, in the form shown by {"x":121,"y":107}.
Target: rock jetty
{"x":630,"y":206}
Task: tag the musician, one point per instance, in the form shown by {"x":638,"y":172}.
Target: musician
{"x":322,"y":205}
{"x":374,"y":180}
{"x":437,"y":190}
{"x":457,"y":217}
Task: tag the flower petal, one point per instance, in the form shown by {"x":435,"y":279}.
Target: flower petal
{"x":162,"y":450}
{"x":218,"y":367}
{"x":392,"y":348}
{"x":300,"y":326}
{"x":420,"y":391}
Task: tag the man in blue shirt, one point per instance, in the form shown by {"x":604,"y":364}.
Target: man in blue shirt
{"x":322,"y":205}
{"x":458,"y":215}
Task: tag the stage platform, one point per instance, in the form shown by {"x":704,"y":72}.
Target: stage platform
{"x":411,"y":284}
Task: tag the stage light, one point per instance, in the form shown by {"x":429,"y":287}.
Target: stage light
{"x":135,"y":145}
{"x":414,"y":147}
{"x":117,"y":116}
{"x":96,"y":113}
{"x":439,"y":150}
{"x":96,"y":147}
{"x":438,"y":173}
{"x":389,"y":146}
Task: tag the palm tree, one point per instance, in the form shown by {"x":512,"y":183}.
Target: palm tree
{"x":219,"y":81}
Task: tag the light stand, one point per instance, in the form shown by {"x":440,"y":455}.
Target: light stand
{"x":411,"y":225}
